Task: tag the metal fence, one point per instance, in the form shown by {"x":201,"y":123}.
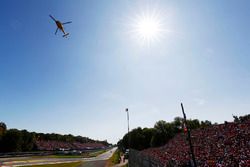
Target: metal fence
{"x":137,"y":159}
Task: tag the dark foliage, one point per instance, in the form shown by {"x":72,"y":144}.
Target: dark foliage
{"x":162,"y":131}
{"x":14,"y":140}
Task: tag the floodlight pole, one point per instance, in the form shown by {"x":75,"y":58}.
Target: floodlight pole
{"x":189,"y":136}
{"x":128,"y":132}
{"x":128,"y":126}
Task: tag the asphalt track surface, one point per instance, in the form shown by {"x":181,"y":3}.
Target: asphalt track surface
{"x":99,"y":161}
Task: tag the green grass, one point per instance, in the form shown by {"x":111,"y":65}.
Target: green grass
{"x":83,"y":155}
{"x":94,"y":154}
{"x":115,"y":159}
{"x":59,"y":156}
{"x":73,"y":164}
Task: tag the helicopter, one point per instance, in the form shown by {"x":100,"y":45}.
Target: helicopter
{"x":60,"y":25}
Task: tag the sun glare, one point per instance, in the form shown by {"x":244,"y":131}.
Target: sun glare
{"x":147,"y":27}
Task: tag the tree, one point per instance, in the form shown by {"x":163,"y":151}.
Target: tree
{"x":148,"y":133}
{"x":178,"y":124}
{"x":28,"y":140}
{"x":205,"y":123}
{"x":164,"y":132}
{"x":193,"y":124}
{"x":125,"y":141}
{"x":159,"y":135}
{"x":3,"y":128}
{"x":135,"y":139}
{"x":244,"y":118}
{"x":12,"y":141}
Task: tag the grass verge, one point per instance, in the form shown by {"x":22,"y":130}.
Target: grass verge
{"x":83,"y":155}
{"x":59,"y":156}
{"x":115,"y":159}
{"x":73,"y":164}
{"x":94,"y":154}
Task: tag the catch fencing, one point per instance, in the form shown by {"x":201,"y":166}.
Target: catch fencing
{"x":137,"y":159}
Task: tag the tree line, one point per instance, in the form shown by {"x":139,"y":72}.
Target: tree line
{"x":14,"y":140}
{"x":142,"y":138}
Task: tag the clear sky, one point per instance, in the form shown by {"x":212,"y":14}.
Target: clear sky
{"x":82,"y":84}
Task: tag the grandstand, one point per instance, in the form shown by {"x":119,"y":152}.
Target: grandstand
{"x":53,"y":145}
{"x":225,"y":144}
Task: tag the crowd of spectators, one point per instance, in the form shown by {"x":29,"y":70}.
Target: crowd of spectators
{"x":52,"y":145}
{"x":223,"y":145}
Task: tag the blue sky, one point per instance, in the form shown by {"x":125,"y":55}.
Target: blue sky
{"x":81,"y":85}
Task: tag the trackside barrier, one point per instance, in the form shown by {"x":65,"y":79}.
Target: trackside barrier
{"x":22,"y":154}
{"x":137,"y":159}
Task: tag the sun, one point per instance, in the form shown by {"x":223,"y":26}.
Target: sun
{"x":147,"y":27}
